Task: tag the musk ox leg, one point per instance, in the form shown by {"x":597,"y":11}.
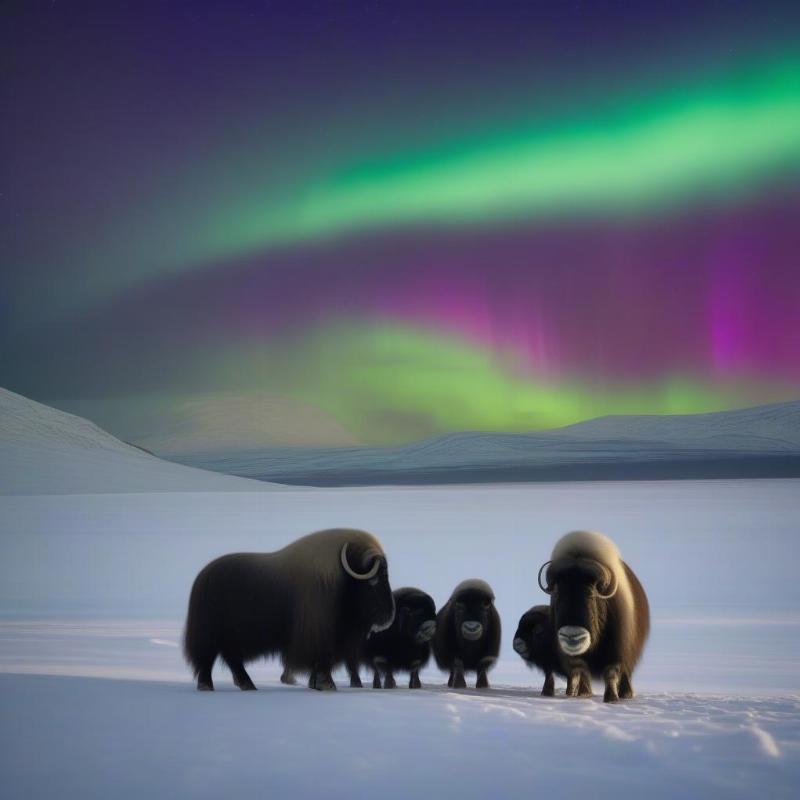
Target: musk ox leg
{"x":389,"y":681}
{"x":572,"y":683}
{"x":204,"y":682}
{"x":240,"y":676}
{"x":549,"y":688}
{"x":414,"y":681}
{"x":459,"y":682}
{"x":579,"y":683}
{"x":484,"y":665}
{"x":625,"y":687}
{"x":355,"y":678}
{"x":287,"y":677}
{"x":612,"y":676}
{"x":244,"y":681}
{"x":321,"y":680}
{"x":376,"y":679}
{"x":450,"y":680}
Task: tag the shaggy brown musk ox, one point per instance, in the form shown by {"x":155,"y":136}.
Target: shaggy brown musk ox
{"x":467,"y":635}
{"x":311,"y":603}
{"x":600,"y":613}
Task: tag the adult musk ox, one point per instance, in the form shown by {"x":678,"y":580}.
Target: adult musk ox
{"x":405,"y":645}
{"x":312,"y":603}
{"x":468,"y":633}
{"x":600,"y":613}
{"x":535,"y":642}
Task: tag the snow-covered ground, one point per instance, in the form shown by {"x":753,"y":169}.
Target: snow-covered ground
{"x":47,"y":451}
{"x":96,"y":702}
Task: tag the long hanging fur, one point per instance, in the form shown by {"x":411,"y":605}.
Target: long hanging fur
{"x":624,"y":618}
{"x":455,"y":654}
{"x":297,"y":603}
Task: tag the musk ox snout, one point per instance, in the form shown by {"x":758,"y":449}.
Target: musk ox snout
{"x":472,"y":630}
{"x":574,"y":640}
{"x":426,"y":631}
{"x":520,"y":646}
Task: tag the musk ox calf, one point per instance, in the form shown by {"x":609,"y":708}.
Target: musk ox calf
{"x":535,"y":642}
{"x":600,"y":613}
{"x":467,"y":635}
{"x":312,"y":603}
{"x":405,"y":645}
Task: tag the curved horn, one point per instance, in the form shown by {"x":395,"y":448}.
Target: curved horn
{"x":373,"y":571}
{"x":613,"y":588}
{"x":545,"y":589}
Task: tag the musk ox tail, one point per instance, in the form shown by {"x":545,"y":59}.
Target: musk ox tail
{"x":200,"y":637}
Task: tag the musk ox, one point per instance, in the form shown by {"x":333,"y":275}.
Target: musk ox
{"x":535,"y":642}
{"x":600,"y":613}
{"x":405,"y":645}
{"x":467,"y":635}
{"x":312,"y":603}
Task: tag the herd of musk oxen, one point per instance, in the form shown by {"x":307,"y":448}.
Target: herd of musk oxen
{"x":325,"y":600}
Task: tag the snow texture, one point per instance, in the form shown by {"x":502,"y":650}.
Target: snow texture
{"x":95,"y":700}
{"x":52,"y":452}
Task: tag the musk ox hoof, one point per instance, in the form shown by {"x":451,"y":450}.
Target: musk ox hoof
{"x":482,"y":682}
{"x":548,"y":691}
{"x":626,"y":688}
{"x":389,"y":682}
{"x":576,"y":691}
{"x":610,"y":697}
{"x":322,"y":683}
{"x":459,"y":682}
{"x":247,"y":687}
{"x":414,"y":682}
{"x":288,"y":678}
{"x":203,"y":686}
{"x":355,"y":682}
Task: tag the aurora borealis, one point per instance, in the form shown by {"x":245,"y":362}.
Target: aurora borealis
{"x":404,"y":220}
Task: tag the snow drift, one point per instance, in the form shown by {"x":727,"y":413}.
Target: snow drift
{"x":45,"y":451}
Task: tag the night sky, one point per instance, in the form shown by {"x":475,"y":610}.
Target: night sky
{"x":391,"y":220}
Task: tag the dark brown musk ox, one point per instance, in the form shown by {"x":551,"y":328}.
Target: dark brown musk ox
{"x":405,"y":645}
{"x":535,"y":642}
{"x":600,"y":613}
{"x":311,"y":603}
{"x":467,"y":635}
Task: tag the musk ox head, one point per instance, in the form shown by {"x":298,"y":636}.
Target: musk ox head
{"x":415,"y":616}
{"x":367,"y":571}
{"x":472,"y":603}
{"x":580,"y":587}
{"x":535,"y":637}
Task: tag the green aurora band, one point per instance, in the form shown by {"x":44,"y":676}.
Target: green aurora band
{"x":724,"y":137}
{"x":427,"y":383}
{"x":721,"y":139}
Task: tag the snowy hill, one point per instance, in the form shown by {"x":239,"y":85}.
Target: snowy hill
{"x":45,"y":451}
{"x":748,"y":443}
{"x":773,"y":427}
